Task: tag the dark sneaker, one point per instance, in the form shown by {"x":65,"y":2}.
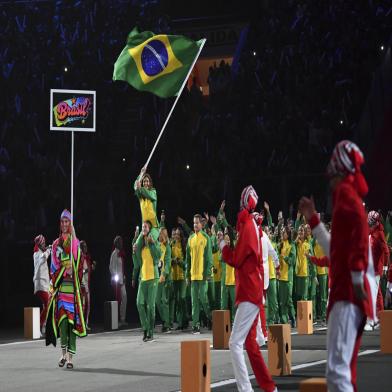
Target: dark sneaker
{"x":145,"y":336}
{"x":150,"y":339}
{"x":196,"y":330}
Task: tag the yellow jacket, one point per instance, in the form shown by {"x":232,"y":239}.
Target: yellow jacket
{"x":198,"y":256}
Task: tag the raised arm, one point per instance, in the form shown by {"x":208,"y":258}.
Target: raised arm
{"x":319,"y":231}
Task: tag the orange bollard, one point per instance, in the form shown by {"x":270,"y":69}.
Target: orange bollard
{"x":195,"y":366}
{"x":385,"y":331}
{"x":32,"y":328}
{"x":279,"y":350}
{"x":304,"y":317}
{"x":221,"y":329}
{"x":313,"y":385}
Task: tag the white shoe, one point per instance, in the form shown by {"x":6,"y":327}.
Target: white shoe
{"x":368,"y":327}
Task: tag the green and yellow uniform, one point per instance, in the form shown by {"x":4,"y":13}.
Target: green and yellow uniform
{"x":146,"y":259}
{"x":148,"y":207}
{"x":272,"y":292}
{"x":302,"y":270}
{"x":198,"y":271}
{"x":228,"y":290}
{"x":322,"y":277}
{"x":164,"y":288}
{"x":287,"y":256}
{"x":177,"y":302}
{"x":214,"y":285}
{"x":312,"y":276}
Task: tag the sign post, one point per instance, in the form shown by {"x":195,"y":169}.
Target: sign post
{"x":72,"y":111}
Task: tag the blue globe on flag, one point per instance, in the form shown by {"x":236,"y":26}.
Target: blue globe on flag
{"x":154,"y":57}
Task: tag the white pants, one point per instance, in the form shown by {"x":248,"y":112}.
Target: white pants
{"x":244,"y":318}
{"x":374,"y":295}
{"x":123,"y":303}
{"x":344,"y":322}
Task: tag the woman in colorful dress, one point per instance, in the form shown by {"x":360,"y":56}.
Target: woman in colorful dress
{"x":65,"y":310}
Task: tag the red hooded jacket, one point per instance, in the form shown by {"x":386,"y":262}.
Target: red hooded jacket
{"x":246,"y":258}
{"x":349,"y":248}
{"x":380,"y":249}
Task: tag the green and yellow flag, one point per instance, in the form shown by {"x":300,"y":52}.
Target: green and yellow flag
{"x":156,"y":63}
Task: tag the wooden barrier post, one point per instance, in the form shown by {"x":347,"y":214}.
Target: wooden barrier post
{"x":313,"y":385}
{"x":221,"y":329}
{"x":32,"y":328}
{"x":195,"y":366}
{"x":279,"y":350}
{"x":305,"y":317}
{"x":386,"y":331}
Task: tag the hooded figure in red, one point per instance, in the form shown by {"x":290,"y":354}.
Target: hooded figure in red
{"x":246,"y":258}
{"x":380,"y":252}
{"x":350,"y":262}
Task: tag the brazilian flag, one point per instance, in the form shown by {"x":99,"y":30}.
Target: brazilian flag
{"x":156,"y":63}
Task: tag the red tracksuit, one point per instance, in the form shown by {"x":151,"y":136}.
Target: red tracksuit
{"x":246,"y":258}
{"x":349,"y":250}
{"x":380,"y":254}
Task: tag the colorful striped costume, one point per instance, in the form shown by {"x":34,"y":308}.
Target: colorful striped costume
{"x":65,"y":302}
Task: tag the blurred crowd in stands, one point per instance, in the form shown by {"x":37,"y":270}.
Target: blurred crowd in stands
{"x":297,"y":86}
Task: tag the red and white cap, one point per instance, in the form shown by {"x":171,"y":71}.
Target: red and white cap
{"x":373,"y":218}
{"x":346,"y":160}
{"x":249,"y":198}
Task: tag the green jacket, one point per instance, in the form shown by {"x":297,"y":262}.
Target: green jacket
{"x":150,"y":194}
{"x":207,"y":257}
{"x":166,"y":272}
{"x":137,"y":257}
{"x":221,"y":221}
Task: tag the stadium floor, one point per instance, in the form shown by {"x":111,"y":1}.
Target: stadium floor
{"x":120,"y":361}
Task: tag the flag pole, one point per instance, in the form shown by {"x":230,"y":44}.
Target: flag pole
{"x":175,"y":102}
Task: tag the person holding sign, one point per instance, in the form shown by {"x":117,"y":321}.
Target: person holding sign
{"x":65,"y":310}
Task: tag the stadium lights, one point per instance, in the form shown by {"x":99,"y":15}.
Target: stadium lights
{"x":382,"y":47}
{"x":254,"y":53}
{"x":341,"y":122}
{"x":65,"y":69}
{"x":187,"y":167}
{"x":123,"y":160}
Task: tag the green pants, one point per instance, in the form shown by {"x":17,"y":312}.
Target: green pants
{"x":188,"y":302}
{"x":211,"y":294}
{"x":162,"y":302}
{"x":284,"y":300}
{"x":292,"y":311}
{"x":217,"y":304}
{"x":145,"y":302}
{"x":273,"y":310}
{"x":312,"y":293}
{"x":302,"y":285}
{"x":199,"y":297}
{"x":323,"y":295}
{"x":177,"y":303}
{"x":67,"y":337}
{"x":228,"y":297}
